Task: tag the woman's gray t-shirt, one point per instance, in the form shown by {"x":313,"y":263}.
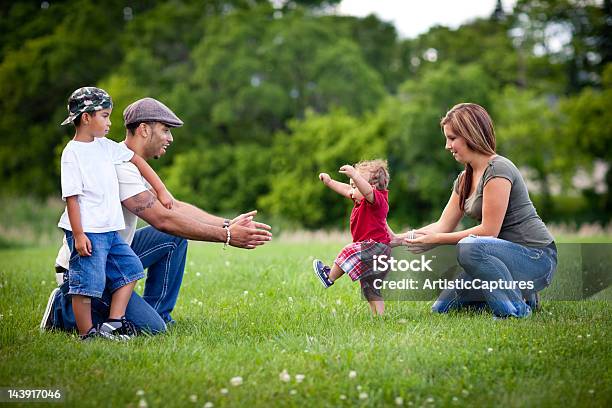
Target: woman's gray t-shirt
{"x":521,"y":224}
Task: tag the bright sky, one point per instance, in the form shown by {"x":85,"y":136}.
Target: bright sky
{"x":413,"y":17}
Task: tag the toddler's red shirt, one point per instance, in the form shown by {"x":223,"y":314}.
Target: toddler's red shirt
{"x":369,"y":221}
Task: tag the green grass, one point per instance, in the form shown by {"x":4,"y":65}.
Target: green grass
{"x":254,"y":313}
{"x":27,"y":221}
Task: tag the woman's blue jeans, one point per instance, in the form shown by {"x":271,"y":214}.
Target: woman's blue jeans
{"x":164,"y":255}
{"x":492,"y":259}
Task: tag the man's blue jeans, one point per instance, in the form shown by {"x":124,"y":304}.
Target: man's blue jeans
{"x":164,"y":255}
{"x":492,"y":259}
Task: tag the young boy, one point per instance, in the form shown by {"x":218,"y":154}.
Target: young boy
{"x":368,"y":190}
{"x":93,"y":215}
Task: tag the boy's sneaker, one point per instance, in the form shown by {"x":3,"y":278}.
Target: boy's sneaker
{"x":322,"y":271}
{"x":47,"y":320}
{"x":118,"y":329}
{"x":128,"y":327}
{"x":91,"y":334}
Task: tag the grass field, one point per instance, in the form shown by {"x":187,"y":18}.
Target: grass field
{"x":254,"y":314}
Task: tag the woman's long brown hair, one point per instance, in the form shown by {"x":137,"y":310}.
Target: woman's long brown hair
{"x":471,"y":122}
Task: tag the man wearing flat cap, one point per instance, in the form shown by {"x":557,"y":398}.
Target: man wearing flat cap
{"x":161,"y":246}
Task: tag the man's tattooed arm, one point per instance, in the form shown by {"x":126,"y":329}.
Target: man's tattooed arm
{"x":140,"y":202}
{"x":146,"y":206}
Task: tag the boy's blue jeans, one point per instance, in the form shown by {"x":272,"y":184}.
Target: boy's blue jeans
{"x":164,"y":255}
{"x":112,"y":264}
{"x":492,"y":259}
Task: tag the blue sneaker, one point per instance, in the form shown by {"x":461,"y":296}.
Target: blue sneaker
{"x":322,"y":271}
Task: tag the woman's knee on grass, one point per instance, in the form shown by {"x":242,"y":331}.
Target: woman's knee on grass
{"x":470,"y":251}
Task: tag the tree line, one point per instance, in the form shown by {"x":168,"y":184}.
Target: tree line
{"x":272,"y":94}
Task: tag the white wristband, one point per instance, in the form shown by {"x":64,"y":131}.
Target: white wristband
{"x":229,"y":236}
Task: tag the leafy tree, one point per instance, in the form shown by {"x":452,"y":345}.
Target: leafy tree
{"x":580,"y":27}
{"x":379,"y":45}
{"x":35,"y":82}
{"x":319,"y":143}
{"x":422,"y":169}
{"x":587,"y":136}
{"x":224,"y":179}
{"x":525,"y":120}
{"x":482,"y":41}
{"x":24,"y":20}
{"x":253,"y":72}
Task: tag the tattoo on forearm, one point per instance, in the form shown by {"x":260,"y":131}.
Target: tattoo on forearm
{"x":142,"y":203}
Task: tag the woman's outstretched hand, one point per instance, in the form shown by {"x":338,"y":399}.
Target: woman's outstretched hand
{"x":419,"y":241}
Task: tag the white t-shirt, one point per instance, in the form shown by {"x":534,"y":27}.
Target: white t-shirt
{"x":88,"y":171}
{"x":131,"y":183}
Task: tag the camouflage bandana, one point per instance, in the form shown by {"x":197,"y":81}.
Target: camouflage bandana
{"x":87,"y":99}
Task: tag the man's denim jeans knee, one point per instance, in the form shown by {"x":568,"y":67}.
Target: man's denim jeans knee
{"x":138,"y":311}
{"x":164,"y":255}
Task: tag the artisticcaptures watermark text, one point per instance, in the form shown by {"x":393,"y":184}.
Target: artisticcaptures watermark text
{"x":443,"y":284}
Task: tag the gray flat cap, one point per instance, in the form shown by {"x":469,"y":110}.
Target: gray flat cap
{"x":150,"y":110}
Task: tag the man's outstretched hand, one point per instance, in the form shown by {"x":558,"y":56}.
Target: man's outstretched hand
{"x":246,"y":220}
{"x":248,"y":233}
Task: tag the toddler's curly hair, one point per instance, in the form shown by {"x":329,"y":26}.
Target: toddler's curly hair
{"x":375,"y":171}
